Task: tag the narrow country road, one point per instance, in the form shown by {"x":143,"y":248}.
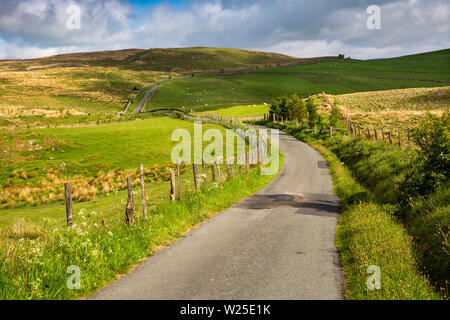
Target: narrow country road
{"x":277,"y":244}
{"x":148,"y":95}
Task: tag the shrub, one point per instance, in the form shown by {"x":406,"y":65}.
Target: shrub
{"x":335,"y":116}
{"x":432,"y":168}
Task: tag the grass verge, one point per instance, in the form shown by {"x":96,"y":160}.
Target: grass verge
{"x":368,"y":232}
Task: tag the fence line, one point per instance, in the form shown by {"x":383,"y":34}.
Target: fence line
{"x":136,"y":177}
{"x":394,"y":136}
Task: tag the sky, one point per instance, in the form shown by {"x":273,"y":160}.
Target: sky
{"x":301,"y":28}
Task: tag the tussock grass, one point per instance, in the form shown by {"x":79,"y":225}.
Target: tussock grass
{"x":22,"y":229}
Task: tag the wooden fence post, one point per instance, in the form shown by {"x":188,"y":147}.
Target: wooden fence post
{"x":240,"y":165}
{"x":231,"y":167}
{"x":69,"y":208}
{"x":144,"y":200}
{"x":368,"y":133}
{"x":247,"y":161}
{"x":376,"y":134}
{"x":331,"y":132}
{"x":258,"y":149}
{"x":399,"y":139}
{"x":195,"y":173}
{"x":390,"y":137}
{"x":172,"y":185}
{"x":204,"y":171}
{"x":219,"y":172}
{"x":129,"y":212}
{"x":178,"y":181}
{"x":409,"y":135}
{"x":213,"y":172}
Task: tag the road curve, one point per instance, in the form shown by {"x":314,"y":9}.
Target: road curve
{"x":148,"y":95}
{"x":277,"y":244}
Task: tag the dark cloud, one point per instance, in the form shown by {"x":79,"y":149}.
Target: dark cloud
{"x":297,"y":27}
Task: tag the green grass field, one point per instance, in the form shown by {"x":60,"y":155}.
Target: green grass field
{"x":243,"y":111}
{"x":205,"y":93}
{"x":431,"y":65}
{"x":89,"y":149}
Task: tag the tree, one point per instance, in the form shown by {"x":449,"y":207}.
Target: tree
{"x":279,"y":107}
{"x":296,"y":108}
{"x":311,"y":108}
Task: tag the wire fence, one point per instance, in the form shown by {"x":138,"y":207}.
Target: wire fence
{"x":135,"y":192}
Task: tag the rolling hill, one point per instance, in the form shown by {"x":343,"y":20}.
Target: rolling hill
{"x":333,"y":77}
{"x":178,"y":60}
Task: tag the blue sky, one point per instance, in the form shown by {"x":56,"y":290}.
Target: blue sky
{"x":144,"y":4}
{"x":302,"y":28}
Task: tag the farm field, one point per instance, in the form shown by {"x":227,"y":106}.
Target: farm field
{"x":430,"y":65}
{"x":399,"y":109}
{"x":205,"y":93}
{"x":95,"y":86}
{"x":64,"y":96}
{"x":242,"y":111}
{"x":51,"y":156}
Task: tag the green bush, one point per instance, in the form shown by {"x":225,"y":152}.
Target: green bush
{"x":288,"y":107}
{"x":335,"y":116}
{"x":432,"y":168}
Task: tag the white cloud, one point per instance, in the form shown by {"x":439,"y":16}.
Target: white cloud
{"x":318,"y":48}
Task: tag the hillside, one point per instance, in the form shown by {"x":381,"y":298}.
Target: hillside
{"x":336,"y":77}
{"x":178,"y":60}
{"x":94,"y":86}
{"x":430,"y":65}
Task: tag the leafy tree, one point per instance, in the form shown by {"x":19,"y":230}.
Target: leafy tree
{"x":313,"y":115}
{"x":296,"y":108}
{"x":279,"y":107}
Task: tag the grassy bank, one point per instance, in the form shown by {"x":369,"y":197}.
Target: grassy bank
{"x":36,"y":269}
{"x":412,"y":252}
